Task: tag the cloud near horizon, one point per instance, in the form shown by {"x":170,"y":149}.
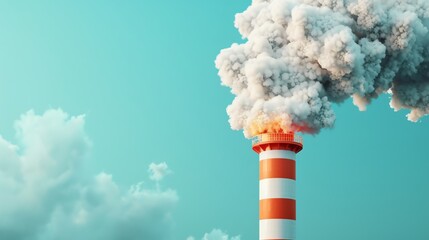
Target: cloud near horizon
{"x":46,"y":197}
{"x":216,"y":234}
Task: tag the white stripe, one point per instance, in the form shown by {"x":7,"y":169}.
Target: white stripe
{"x":277,"y":188}
{"x":276,"y":229}
{"x":277,"y":154}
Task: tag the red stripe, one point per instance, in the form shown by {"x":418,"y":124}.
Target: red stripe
{"x":277,"y":208}
{"x":277,"y":168}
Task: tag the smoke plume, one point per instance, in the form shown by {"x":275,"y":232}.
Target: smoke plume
{"x":300,"y":56}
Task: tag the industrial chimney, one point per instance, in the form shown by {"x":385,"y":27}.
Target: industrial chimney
{"x":277,"y":176}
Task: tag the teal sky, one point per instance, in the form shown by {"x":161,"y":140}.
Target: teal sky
{"x":143,"y":74}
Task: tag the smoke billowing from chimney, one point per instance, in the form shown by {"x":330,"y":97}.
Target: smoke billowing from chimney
{"x":303,"y":55}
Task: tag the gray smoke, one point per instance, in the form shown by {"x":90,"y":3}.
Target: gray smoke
{"x":302,"y":55}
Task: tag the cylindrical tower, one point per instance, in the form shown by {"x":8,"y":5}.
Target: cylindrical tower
{"x":277,"y":203}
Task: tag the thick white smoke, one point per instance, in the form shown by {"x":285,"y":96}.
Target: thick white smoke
{"x":302,"y":55}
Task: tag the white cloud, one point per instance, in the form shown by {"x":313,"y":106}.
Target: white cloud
{"x":216,"y":234}
{"x":158,"y":171}
{"x":44,"y":195}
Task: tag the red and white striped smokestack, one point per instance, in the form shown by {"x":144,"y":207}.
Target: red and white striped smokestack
{"x":277,"y":176}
